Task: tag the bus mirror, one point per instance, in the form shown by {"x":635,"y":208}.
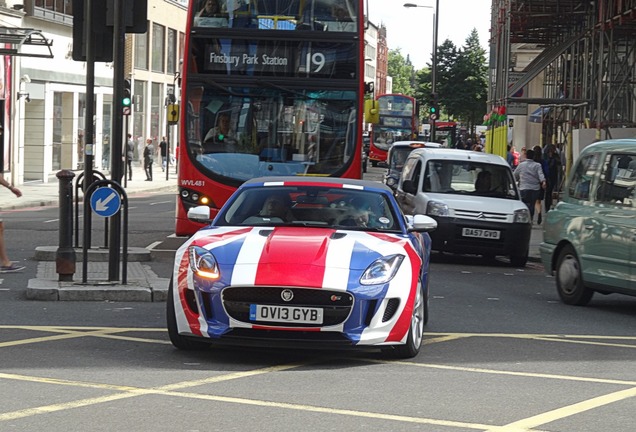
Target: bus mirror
{"x":369,"y":87}
{"x":371,"y":111}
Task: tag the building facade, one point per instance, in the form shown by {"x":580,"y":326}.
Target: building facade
{"x":44,"y":89}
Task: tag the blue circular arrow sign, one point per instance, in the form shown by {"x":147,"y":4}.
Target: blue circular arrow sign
{"x":105,"y":202}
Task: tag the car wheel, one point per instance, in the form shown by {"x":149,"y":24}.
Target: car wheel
{"x":519,"y":260}
{"x":416,"y":332}
{"x":374,"y":164}
{"x":569,"y":279}
{"x":181,"y":342}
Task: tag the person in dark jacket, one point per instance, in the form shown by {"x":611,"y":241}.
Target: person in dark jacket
{"x":149,"y":158}
{"x":552,"y":168}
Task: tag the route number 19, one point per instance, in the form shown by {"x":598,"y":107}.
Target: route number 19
{"x":315,"y":62}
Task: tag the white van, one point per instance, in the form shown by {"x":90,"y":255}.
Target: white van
{"x":474,"y":199}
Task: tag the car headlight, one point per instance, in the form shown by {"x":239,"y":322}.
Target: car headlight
{"x":381,"y":270}
{"x":522,"y":216}
{"x":203,"y":263}
{"x":391,"y":181}
{"x":436,"y":208}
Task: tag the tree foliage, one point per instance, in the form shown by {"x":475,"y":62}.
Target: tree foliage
{"x":461,"y":80}
{"x":402,"y":72}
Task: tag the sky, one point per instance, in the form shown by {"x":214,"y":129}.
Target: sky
{"x":411,"y":29}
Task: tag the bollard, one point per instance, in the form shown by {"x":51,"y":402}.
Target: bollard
{"x":65,"y":256}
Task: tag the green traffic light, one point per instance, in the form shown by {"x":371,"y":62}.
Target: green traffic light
{"x":433,"y":110}
{"x":126,"y":101}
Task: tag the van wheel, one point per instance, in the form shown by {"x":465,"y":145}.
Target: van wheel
{"x":569,"y":279}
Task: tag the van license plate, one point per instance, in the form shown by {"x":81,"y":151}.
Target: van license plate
{"x":481,"y":233}
{"x":286,"y":314}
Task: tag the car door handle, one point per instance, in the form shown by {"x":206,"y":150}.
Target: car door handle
{"x":589,"y":226}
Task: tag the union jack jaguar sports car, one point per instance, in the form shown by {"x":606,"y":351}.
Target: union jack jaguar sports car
{"x":304,"y":262}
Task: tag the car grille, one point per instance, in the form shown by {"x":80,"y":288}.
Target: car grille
{"x":336,"y":305}
{"x":484,"y":216}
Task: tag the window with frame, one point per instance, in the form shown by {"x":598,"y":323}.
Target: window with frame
{"x":171,"y":61}
{"x":61,"y":6}
{"x":158,"y":47}
{"x":141,"y":51}
{"x":618,"y":180}
{"x":583,"y":176}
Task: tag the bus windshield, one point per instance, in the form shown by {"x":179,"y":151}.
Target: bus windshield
{"x":243,"y":132}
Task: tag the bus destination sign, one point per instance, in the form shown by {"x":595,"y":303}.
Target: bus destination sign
{"x":278,"y":58}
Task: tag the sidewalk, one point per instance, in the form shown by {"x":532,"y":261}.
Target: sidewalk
{"x":143,"y":285}
{"x":38,"y":193}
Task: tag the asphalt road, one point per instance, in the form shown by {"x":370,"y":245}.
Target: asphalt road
{"x":501,"y":353}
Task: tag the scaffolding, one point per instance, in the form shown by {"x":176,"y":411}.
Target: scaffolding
{"x":587,"y":62}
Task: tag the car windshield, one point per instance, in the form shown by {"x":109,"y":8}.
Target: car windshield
{"x":464,"y":177}
{"x":398,"y":157}
{"x":315,"y":206}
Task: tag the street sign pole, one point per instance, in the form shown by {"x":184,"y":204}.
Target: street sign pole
{"x":116,"y":149}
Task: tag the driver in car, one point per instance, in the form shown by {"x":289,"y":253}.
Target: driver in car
{"x":276,"y":208}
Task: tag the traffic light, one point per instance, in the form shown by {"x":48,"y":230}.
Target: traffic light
{"x":127,"y":99}
{"x":433,"y":107}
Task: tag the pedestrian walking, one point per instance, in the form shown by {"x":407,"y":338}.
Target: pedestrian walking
{"x":130,"y":153}
{"x":6,"y":265}
{"x":149,"y":158}
{"x":552,"y":165}
{"x":163,"y":151}
{"x":538,"y":157}
{"x":529,"y":175}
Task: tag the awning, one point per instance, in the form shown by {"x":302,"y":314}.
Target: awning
{"x":13,"y":39}
{"x":537,"y":115}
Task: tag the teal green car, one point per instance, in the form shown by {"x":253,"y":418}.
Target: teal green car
{"x":589,"y":238}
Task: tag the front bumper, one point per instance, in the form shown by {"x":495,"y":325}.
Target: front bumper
{"x":546,"y":250}
{"x":514,"y":239}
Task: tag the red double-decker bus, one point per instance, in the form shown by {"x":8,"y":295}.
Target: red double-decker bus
{"x":397,"y":122}
{"x":269,"y":88}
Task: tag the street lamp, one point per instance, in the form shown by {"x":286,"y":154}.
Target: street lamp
{"x":434,"y":66}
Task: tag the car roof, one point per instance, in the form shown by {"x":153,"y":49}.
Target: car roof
{"x":318,"y":181}
{"x":409,"y":143}
{"x":624,"y":144}
{"x":460,"y":155}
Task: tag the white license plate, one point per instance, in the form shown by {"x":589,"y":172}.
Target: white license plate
{"x":288,"y":314}
{"x":481,"y":233}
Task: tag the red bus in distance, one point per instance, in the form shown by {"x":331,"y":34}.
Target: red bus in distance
{"x":397,"y":121}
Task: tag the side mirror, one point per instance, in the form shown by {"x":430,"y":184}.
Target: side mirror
{"x":423,"y":223}
{"x":200,"y":214}
{"x":409,"y":187}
